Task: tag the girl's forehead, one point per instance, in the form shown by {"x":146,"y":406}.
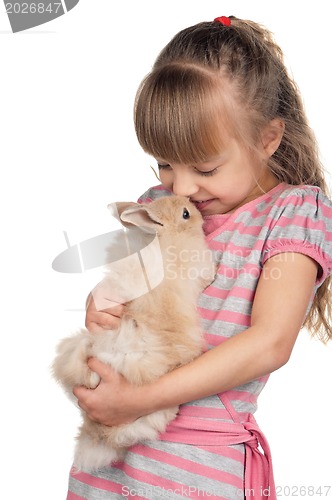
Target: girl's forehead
{"x":201,"y":145}
{"x":184,"y":115}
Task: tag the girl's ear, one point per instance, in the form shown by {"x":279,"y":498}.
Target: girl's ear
{"x":271,"y":136}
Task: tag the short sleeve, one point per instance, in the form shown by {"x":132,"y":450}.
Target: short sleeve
{"x":301,"y":222}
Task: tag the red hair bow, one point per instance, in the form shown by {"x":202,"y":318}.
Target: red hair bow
{"x":223,"y":20}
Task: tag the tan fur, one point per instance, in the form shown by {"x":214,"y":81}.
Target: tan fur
{"x":159,"y":331}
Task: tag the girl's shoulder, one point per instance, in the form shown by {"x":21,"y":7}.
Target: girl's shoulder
{"x":306,"y":201}
{"x":300,"y":220}
{"x":304,"y":193}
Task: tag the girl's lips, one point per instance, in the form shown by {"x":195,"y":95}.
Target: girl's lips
{"x":201,"y":205}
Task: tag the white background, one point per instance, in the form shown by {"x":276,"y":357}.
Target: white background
{"x":68,"y":148}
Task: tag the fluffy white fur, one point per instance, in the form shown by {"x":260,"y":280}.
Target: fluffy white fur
{"x":159,"y":330}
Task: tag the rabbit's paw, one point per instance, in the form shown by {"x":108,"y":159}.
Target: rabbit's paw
{"x":90,"y":379}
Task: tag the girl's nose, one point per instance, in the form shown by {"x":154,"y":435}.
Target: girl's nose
{"x":184,"y":185}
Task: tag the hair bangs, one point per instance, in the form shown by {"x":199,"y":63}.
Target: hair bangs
{"x":181,"y":114}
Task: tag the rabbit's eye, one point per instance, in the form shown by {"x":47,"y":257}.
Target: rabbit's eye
{"x":186,"y":214}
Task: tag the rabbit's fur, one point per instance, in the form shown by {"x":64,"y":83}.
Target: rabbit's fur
{"x":159,"y":330}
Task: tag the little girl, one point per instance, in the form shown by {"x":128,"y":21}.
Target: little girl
{"x":226,"y":125}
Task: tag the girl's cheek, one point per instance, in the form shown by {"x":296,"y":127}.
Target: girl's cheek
{"x":166,"y":179}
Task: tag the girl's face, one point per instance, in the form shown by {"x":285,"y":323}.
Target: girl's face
{"x":223,"y":183}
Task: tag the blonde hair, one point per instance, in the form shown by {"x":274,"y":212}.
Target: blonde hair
{"x":212,"y":77}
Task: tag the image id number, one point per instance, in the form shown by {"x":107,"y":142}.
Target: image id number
{"x":303,"y":491}
{"x":32,"y":8}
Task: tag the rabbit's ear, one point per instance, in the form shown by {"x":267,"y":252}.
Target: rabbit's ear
{"x":138,"y":216}
{"x":119,"y":207}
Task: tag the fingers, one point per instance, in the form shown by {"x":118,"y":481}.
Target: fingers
{"x":92,"y":401}
{"x":105,"y":319}
{"x":104,"y":371}
{"x":95,"y":327}
{"x":98,"y":321}
{"x":105,"y":403}
{"x":83,"y":396}
{"x":115,"y":310}
{"x":80,"y":391}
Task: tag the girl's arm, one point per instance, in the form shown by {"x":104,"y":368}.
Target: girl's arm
{"x":282,"y":297}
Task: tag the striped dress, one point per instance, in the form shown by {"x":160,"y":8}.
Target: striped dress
{"x":211,"y":449}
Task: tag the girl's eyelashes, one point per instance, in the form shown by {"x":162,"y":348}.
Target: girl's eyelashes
{"x":163,"y":165}
{"x":167,"y":166}
{"x":207,"y":173}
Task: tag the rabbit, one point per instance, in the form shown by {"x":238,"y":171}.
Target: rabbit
{"x":159,"y":330}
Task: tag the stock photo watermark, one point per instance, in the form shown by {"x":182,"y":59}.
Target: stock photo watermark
{"x":24,"y":15}
{"x":188,"y":492}
{"x":134,"y":262}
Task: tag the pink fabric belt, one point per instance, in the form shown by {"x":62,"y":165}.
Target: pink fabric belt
{"x":258,"y":475}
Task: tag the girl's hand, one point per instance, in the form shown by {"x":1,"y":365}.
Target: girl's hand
{"x":114,"y":401}
{"x":101,"y":312}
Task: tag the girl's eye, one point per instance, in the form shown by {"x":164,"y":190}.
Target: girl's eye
{"x":164,"y":166}
{"x":208,"y":173}
{"x":167,"y":166}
